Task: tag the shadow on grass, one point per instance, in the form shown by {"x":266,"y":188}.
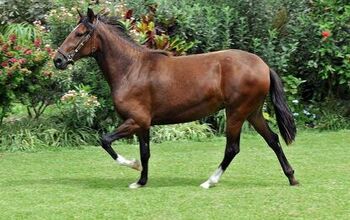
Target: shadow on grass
{"x":156,"y":182}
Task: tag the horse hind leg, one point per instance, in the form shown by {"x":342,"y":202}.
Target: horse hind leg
{"x":259,"y":123}
{"x":233,"y":131}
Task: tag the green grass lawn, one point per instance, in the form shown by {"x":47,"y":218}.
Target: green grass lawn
{"x":87,"y":184}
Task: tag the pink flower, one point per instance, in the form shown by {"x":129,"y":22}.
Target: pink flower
{"x":28,"y":52}
{"x":13,"y":60}
{"x":12,"y":38}
{"x":22,"y":60}
{"x":37,"y":42}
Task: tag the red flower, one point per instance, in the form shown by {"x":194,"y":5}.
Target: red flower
{"x":5,"y":64}
{"x":12,"y":38}
{"x":28,"y":52}
{"x":48,"y":49}
{"x":37,"y":42}
{"x":13,"y":60}
{"x":326,"y":34}
{"x":5,"y":48}
{"x":128,"y":14}
{"x":22,"y":60}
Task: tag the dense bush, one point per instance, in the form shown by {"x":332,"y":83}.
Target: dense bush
{"x":23,"y":10}
{"x":25,"y":75}
{"x":189,"y":131}
{"x":306,"y":42}
{"x":48,"y":133}
{"x":323,"y":58}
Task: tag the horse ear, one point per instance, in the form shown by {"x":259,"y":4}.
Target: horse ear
{"x":80,"y":15}
{"x":90,"y":15}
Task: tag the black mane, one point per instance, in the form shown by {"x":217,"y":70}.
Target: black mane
{"x":115,"y":22}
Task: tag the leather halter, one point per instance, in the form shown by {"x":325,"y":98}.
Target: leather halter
{"x":70,"y":55}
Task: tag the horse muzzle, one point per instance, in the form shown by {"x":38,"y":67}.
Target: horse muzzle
{"x":61,"y":62}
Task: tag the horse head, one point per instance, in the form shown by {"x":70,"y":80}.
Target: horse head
{"x":81,"y":42}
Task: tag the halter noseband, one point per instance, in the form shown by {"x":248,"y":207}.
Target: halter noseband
{"x":70,"y":55}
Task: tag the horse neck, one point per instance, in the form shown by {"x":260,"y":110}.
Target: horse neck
{"x":116,"y":55}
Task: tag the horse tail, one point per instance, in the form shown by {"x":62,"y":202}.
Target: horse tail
{"x":284,"y":116}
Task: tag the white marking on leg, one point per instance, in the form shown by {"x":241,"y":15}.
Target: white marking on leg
{"x":213,"y":179}
{"x":135,"y":185}
{"x":134,"y":164}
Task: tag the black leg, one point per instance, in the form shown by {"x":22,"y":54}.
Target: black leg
{"x":233,"y":131}
{"x":129,"y":127}
{"x":106,"y":142}
{"x":271,"y":139}
{"x":286,"y":167}
{"x":145,"y":155}
{"x":232,"y":149}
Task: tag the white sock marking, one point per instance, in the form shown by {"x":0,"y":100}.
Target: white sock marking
{"x":134,"y":185}
{"x":135,"y":164}
{"x":213,"y":179}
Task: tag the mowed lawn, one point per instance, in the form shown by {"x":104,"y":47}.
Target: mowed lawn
{"x":87,"y":184}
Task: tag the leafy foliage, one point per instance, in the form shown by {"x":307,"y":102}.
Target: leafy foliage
{"x":188,"y":131}
{"x":23,"y":10}
{"x":24,"y":75}
{"x":78,"y":108}
{"x":48,"y":133}
{"x":306,"y":42}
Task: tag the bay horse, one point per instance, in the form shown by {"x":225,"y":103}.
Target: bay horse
{"x":151,"y":87}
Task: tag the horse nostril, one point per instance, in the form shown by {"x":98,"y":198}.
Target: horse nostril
{"x":58,"y":60}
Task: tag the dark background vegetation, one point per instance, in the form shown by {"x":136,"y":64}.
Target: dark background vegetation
{"x":306,"y":42}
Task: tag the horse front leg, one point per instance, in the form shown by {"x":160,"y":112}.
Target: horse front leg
{"x":129,"y":127}
{"x":143,"y":137}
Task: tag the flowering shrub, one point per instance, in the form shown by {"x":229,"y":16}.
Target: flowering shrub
{"x":79,"y":107}
{"x":144,"y":29}
{"x":62,"y":20}
{"x":152,"y":32}
{"x":23,"y":10}
{"x":21,"y":72}
{"x":323,"y":58}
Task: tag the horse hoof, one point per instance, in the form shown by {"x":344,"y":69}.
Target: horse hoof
{"x":206,"y":185}
{"x":135,"y":186}
{"x":294,"y":183}
{"x":136,"y":165}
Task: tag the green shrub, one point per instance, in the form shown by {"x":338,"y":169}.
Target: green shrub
{"x":61,"y":22}
{"x":78,"y":107}
{"x":188,"y":131}
{"x":25,"y":75}
{"x":333,"y":121}
{"x":49,"y":133}
{"x":23,"y":10}
{"x":323,"y":56}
